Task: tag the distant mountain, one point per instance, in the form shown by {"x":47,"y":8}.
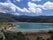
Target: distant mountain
{"x":4,"y":17}
{"x":13,"y":18}
{"x":37,"y":19}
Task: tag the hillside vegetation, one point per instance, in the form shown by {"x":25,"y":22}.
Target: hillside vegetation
{"x":13,"y":18}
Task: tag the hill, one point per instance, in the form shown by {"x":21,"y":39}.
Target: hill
{"x":6,"y":17}
{"x":13,"y":18}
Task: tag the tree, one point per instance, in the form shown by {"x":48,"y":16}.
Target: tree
{"x":39,"y":38}
{"x":21,"y":36}
{"x":4,"y":26}
{"x":48,"y":38}
{"x":2,"y":36}
{"x":51,"y":33}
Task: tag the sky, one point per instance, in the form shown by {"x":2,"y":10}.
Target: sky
{"x":27,"y":7}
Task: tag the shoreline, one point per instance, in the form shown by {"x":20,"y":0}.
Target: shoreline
{"x":36,"y":30}
{"x":31,"y":22}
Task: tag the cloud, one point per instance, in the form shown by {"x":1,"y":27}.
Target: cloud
{"x":37,"y":8}
{"x":34,"y":8}
{"x":18,"y":0}
{"x":30,"y":4}
{"x":6,"y":7}
{"x":35,"y":0}
{"x":2,"y":11}
{"x":16,"y":13}
{"x":23,"y":10}
{"x":10,"y":7}
{"x":48,"y":5}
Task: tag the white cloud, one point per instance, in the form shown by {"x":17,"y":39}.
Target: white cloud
{"x":2,"y":11}
{"x":18,"y":0}
{"x":34,"y":8}
{"x":16,"y":13}
{"x":8,"y":7}
{"x":30,"y":4}
{"x":38,"y":10}
{"x":36,"y":0}
{"x":34,"y":5}
{"x":48,"y":5}
{"x":23,"y":10}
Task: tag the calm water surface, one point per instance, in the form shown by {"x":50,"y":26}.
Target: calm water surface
{"x":33,"y":26}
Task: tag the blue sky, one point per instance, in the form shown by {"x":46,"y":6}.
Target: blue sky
{"x":27,"y":7}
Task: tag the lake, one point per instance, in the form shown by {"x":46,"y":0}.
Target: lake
{"x":33,"y":26}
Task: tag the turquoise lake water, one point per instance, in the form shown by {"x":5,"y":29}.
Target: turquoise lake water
{"x":33,"y":26}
